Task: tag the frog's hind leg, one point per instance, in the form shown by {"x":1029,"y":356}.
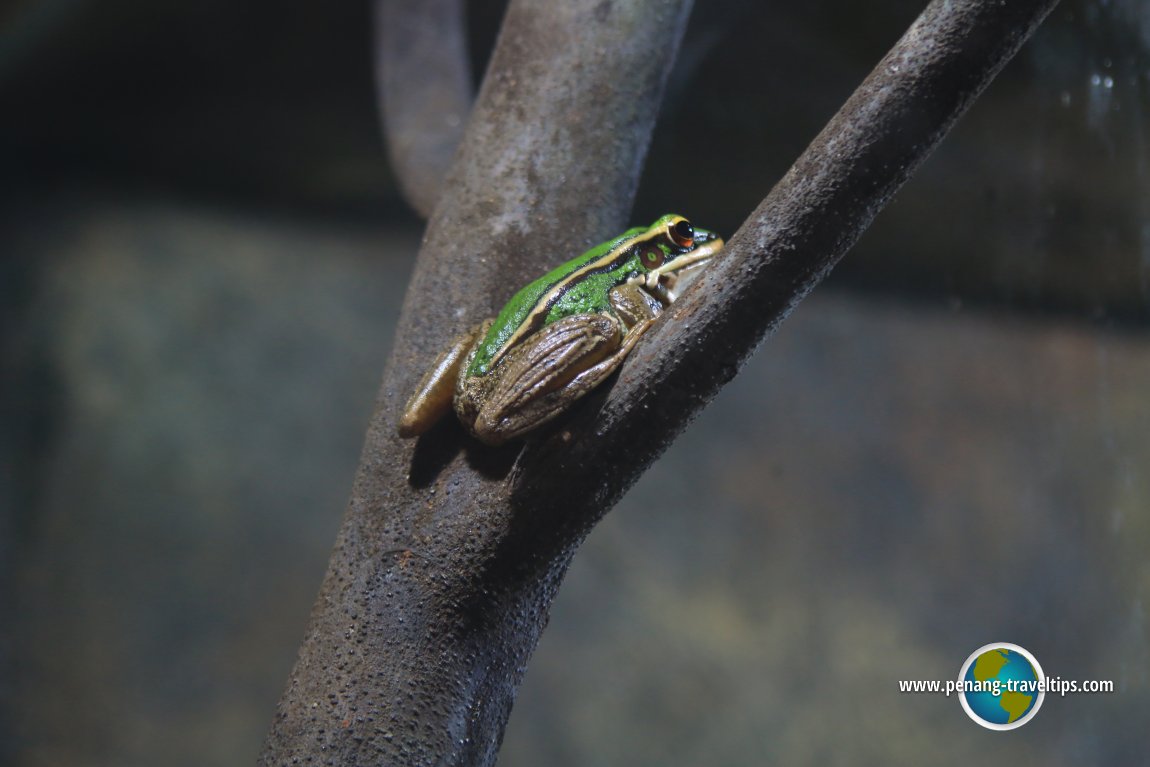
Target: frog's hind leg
{"x":432,"y":398}
{"x":545,"y":375}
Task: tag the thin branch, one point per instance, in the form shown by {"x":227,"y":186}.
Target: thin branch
{"x":451,"y":552}
{"x":424,"y":83}
{"x":891,"y":123}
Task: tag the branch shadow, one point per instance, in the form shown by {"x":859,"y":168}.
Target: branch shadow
{"x":438,"y":448}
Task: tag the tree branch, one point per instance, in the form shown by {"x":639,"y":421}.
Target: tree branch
{"x":888,"y":126}
{"x":451,"y":552}
{"x":424,"y":85}
{"x":414,"y":658}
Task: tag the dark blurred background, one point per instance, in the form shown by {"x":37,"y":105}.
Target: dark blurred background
{"x":202,"y":257}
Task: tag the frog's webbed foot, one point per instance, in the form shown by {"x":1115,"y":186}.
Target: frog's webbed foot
{"x":432,"y":398}
{"x":544,"y":375}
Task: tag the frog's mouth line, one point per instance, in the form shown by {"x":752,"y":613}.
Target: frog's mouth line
{"x":703,"y":252}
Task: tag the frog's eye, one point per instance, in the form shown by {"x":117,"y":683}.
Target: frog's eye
{"x":682,"y":233}
{"x":652,"y":257}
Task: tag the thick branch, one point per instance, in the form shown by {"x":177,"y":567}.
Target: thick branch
{"x":413,"y":657}
{"x":424,"y":83}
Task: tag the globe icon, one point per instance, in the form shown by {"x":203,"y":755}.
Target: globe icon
{"x":1001,"y":686}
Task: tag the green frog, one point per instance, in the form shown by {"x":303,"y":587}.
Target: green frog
{"x":560,"y":336}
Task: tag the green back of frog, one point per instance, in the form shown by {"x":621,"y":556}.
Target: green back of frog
{"x":582,"y":285}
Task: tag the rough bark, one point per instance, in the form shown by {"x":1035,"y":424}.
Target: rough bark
{"x":451,"y":552}
{"x":414,"y":658}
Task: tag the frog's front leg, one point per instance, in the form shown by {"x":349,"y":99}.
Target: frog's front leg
{"x":432,"y":398}
{"x":634,"y":304}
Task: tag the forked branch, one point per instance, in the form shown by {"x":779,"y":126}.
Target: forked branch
{"x":451,"y":552}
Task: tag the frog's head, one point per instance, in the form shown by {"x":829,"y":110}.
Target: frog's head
{"x":672,"y":245}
